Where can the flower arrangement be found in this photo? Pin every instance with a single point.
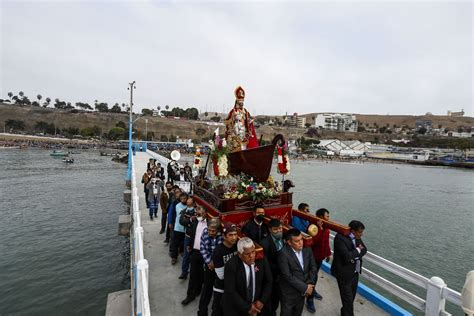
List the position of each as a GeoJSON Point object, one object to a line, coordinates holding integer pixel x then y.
{"type": "Point", "coordinates": [283, 166]}
{"type": "Point", "coordinates": [248, 188]}
{"type": "Point", "coordinates": [219, 152]}
{"type": "Point", "coordinates": [197, 158]}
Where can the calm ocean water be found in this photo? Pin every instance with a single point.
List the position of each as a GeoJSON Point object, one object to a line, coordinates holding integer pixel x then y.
{"type": "Point", "coordinates": [60, 253]}
{"type": "Point", "coordinates": [419, 217]}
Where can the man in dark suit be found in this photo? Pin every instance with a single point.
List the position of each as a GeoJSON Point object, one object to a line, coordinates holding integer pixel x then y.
{"type": "Point", "coordinates": [271, 246]}
{"type": "Point", "coordinates": [298, 274]}
{"type": "Point", "coordinates": [347, 264]}
{"type": "Point", "coordinates": [247, 282]}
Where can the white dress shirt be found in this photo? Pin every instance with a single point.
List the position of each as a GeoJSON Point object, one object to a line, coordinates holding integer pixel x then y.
{"type": "Point", "coordinates": [299, 255]}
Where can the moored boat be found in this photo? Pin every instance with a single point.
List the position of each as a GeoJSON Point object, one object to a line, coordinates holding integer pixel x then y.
{"type": "Point", "coordinates": [58, 153]}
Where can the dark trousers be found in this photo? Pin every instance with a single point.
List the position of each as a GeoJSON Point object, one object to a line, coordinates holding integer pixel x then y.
{"type": "Point", "coordinates": [270, 308]}
{"type": "Point", "coordinates": [347, 291]}
{"type": "Point", "coordinates": [164, 222]}
{"type": "Point", "coordinates": [176, 244]}
{"type": "Point", "coordinates": [216, 304]}
{"type": "Point", "coordinates": [185, 263]}
{"type": "Point", "coordinates": [152, 211]}
{"type": "Point", "coordinates": [146, 197]}
{"type": "Point", "coordinates": [196, 273]}
{"type": "Point", "coordinates": [292, 307]}
{"type": "Point", "coordinates": [168, 232]}
{"type": "Point", "coordinates": [206, 293]}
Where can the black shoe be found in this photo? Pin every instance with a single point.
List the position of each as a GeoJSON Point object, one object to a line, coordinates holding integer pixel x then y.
{"type": "Point", "coordinates": [151, 217]}
{"type": "Point", "coordinates": [187, 300]}
{"type": "Point", "coordinates": [183, 277]}
{"type": "Point", "coordinates": [166, 241]}
{"type": "Point", "coordinates": [317, 296]}
{"type": "Point", "coordinates": [156, 215]}
{"type": "Point", "coordinates": [162, 231]}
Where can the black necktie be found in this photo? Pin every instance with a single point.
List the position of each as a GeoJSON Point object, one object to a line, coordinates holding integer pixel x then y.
{"type": "Point", "coordinates": [250, 286]}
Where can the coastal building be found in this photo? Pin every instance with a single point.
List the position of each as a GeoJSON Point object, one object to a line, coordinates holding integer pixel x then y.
{"type": "Point", "coordinates": [456, 114]}
{"type": "Point", "coordinates": [336, 122]}
{"type": "Point", "coordinates": [295, 120]}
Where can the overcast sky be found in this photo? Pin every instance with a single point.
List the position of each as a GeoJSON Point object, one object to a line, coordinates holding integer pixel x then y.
{"type": "Point", "coordinates": [359, 57]}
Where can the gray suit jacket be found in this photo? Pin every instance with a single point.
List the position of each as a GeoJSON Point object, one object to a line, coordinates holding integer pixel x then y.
{"type": "Point", "coordinates": [294, 280]}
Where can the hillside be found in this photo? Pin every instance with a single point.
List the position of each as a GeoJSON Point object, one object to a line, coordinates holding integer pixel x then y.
{"type": "Point", "coordinates": [198, 130]}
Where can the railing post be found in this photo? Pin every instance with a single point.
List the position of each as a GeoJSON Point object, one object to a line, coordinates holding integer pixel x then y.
{"type": "Point", "coordinates": [143, 266]}
{"type": "Point", "coordinates": [467, 294]}
{"type": "Point", "coordinates": [434, 298]}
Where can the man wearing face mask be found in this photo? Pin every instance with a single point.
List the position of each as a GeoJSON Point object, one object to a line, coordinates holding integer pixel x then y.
{"type": "Point", "coordinates": [255, 229]}
{"type": "Point", "coordinates": [271, 246]}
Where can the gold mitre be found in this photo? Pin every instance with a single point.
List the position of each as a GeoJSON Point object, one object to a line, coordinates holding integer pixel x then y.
{"type": "Point", "coordinates": [239, 93]}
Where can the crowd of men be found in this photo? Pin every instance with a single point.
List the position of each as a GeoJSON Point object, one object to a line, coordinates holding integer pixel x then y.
{"type": "Point", "coordinates": [232, 273]}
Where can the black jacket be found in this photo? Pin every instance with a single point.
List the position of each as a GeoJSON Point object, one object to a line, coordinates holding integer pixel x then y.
{"type": "Point", "coordinates": [294, 280]}
{"type": "Point", "coordinates": [344, 257]}
{"type": "Point", "coordinates": [254, 231]}
{"type": "Point", "coordinates": [185, 220]}
{"type": "Point", "coordinates": [271, 254]}
{"type": "Point", "coordinates": [234, 300]}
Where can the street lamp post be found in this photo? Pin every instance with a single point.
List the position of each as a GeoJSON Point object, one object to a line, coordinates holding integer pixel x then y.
{"type": "Point", "coordinates": [146, 129]}
{"type": "Point", "coordinates": [130, 123]}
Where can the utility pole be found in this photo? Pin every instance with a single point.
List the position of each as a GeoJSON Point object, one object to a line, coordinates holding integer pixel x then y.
{"type": "Point", "coordinates": [146, 129]}
{"type": "Point", "coordinates": [130, 122]}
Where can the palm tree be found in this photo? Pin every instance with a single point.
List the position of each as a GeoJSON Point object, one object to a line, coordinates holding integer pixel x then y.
{"type": "Point", "coordinates": [10, 95]}
{"type": "Point", "coordinates": [21, 94]}
{"type": "Point", "coordinates": [167, 107]}
{"type": "Point", "coordinates": [39, 97]}
{"type": "Point", "coordinates": [158, 108]}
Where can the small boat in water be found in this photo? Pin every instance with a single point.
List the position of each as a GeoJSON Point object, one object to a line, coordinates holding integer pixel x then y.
{"type": "Point", "coordinates": [9, 147]}
{"type": "Point", "coordinates": [58, 153]}
{"type": "Point", "coordinates": [68, 160]}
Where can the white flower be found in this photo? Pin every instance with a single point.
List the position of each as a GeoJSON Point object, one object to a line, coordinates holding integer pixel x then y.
{"type": "Point", "coordinates": [224, 143]}
{"type": "Point", "coordinates": [222, 165]}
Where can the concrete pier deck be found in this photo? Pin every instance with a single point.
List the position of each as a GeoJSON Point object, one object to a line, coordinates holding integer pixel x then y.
{"type": "Point", "coordinates": [166, 291]}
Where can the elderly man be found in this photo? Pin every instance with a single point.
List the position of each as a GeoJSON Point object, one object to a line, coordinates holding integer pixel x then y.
{"type": "Point", "coordinates": [298, 274]}
{"type": "Point", "coordinates": [255, 228]}
{"type": "Point", "coordinates": [247, 282]}
{"type": "Point", "coordinates": [347, 264]}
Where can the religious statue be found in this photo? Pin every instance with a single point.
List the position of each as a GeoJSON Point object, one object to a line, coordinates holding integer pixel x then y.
{"type": "Point", "coordinates": [240, 133]}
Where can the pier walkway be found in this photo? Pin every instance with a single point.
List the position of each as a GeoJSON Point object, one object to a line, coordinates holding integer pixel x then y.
{"type": "Point", "coordinates": [166, 291]}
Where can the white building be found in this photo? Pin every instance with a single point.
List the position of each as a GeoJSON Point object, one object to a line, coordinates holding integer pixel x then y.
{"type": "Point", "coordinates": [295, 120]}
{"type": "Point", "coordinates": [336, 122]}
